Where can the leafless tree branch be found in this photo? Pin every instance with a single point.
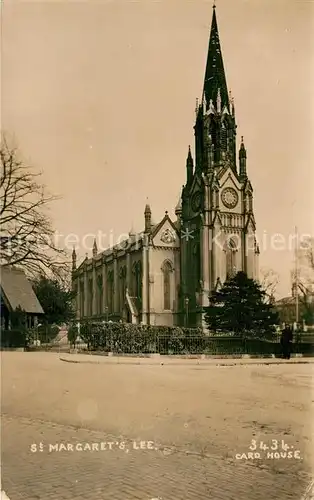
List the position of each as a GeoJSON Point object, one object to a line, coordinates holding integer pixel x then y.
{"type": "Point", "coordinates": [27, 238]}
{"type": "Point", "coordinates": [269, 281]}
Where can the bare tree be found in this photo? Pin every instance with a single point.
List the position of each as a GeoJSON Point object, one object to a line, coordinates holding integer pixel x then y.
{"type": "Point", "coordinates": [27, 238]}
{"type": "Point", "coordinates": [302, 278]}
{"type": "Point", "coordinates": [269, 281]}
{"type": "Point", "coordinates": [307, 248]}
{"type": "Point", "coordinates": [305, 264]}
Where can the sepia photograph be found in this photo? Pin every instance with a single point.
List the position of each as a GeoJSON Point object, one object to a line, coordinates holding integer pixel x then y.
{"type": "Point", "coordinates": [157, 249]}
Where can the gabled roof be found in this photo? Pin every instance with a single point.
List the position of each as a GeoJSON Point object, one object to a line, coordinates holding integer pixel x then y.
{"type": "Point", "coordinates": [161, 223]}
{"type": "Point", "coordinates": [18, 292]}
{"type": "Point", "coordinates": [225, 169]}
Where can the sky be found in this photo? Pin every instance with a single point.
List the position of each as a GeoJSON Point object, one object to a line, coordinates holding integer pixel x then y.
{"type": "Point", "coordinates": [100, 96]}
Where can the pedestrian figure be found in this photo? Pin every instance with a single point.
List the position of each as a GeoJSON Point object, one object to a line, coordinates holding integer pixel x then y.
{"type": "Point", "coordinates": [285, 341]}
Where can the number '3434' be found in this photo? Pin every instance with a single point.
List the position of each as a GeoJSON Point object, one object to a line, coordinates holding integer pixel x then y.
{"type": "Point", "coordinates": [273, 445]}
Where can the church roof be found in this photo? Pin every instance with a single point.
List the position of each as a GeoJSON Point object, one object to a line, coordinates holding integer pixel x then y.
{"type": "Point", "coordinates": [215, 78]}
{"type": "Point", "coordinates": [133, 237]}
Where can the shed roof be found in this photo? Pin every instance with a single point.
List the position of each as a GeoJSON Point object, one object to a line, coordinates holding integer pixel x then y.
{"type": "Point", "coordinates": [18, 291]}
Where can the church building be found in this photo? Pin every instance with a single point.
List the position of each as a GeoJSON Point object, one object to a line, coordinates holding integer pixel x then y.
{"type": "Point", "coordinates": [165, 274]}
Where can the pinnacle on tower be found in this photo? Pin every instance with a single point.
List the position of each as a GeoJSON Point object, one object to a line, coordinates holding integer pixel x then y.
{"type": "Point", "coordinates": [148, 218]}
{"type": "Point", "coordinates": [189, 167]}
{"type": "Point", "coordinates": [215, 77]}
{"type": "Point", "coordinates": [73, 259]}
{"type": "Point", "coordinates": [242, 159]}
{"type": "Point", "coordinates": [132, 232]}
{"type": "Point", "coordinates": [178, 209]}
{"type": "Point", "coordinates": [189, 159]}
{"type": "Point", "coordinates": [147, 208]}
{"type": "Point", "coordinates": [242, 152]}
{"type": "Point", "coordinates": [95, 249]}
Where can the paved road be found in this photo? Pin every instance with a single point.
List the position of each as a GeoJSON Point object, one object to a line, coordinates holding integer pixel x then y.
{"type": "Point", "coordinates": [108, 431]}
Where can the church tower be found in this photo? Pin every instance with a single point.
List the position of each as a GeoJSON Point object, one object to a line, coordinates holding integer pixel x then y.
{"type": "Point", "coordinates": [217, 220]}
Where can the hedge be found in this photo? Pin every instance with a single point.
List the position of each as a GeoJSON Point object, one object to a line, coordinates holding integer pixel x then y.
{"type": "Point", "coordinates": [14, 338]}
{"type": "Point", "coordinates": [131, 339]}
{"type": "Point", "coordinates": [125, 338]}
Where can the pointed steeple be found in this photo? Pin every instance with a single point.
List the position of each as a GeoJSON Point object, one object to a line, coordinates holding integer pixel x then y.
{"type": "Point", "coordinates": [215, 77]}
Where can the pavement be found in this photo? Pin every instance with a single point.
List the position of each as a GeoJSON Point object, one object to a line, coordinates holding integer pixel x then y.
{"type": "Point", "coordinates": [155, 432]}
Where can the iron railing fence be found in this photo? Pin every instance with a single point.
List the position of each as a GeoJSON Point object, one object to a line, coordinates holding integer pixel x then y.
{"type": "Point", "coordinates": [191, 345]}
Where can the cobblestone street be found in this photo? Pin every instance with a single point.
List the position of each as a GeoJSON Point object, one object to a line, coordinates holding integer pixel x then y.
{"type": "Point", "coordinates": [122, 432]}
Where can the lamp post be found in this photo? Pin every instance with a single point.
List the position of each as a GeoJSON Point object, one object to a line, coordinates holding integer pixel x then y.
{"type": "Point", "coordinates": [186, 304]}
{"type": "Point", "coordinates": [296, 281]}
{"type": "Point", "coordinates": [107, 313]}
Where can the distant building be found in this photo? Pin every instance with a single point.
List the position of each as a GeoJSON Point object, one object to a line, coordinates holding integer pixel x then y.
{"type": "Point", "coordinates": [16, 293]}
{"type": "Point", "coordinates": [286, 306]}
{"type": "Point", "coordinates": [164, 275]}
{"type": "Point", "coordinates": [286, 309]}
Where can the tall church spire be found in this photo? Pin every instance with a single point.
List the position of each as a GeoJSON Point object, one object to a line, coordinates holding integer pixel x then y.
{"type": "Point", "coordinates": [215, 77]}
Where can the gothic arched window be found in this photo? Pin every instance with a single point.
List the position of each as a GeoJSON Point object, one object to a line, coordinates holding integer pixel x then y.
{"type": "Point", "coordinates": [230, 249]}
{"type": "Point", "coordinates": [167, 270]}
{"type": "Point", "coordinates": [137, 279]}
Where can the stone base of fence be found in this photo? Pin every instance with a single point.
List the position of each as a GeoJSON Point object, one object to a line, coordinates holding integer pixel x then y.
{"type": "Point", "coordinates": [19, 349]}
{"type": "Point", "coordinates": [188, 356]}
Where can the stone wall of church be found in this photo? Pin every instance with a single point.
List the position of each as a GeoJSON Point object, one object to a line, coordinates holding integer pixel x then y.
{"type": "Point", "coordinates": [163, 289]}
{"type": "Point", "coordinates": [101, 284]}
